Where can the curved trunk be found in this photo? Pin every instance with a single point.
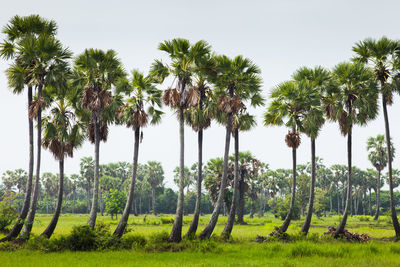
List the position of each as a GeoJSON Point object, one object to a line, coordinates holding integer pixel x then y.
{"type": "Point", "coordinates": [32, 209]}
{"type": "Point", "coordinates": [93, 210]}
{"type": "Point", "coordinates": [214, 217]}
{"type": "Point", "coordinates": [307, 221]}
{"type": "Point", "coordinates": [153, 198]}
{"type": "Point", "coordinates": [176, 232]}
{"type": "Point", "coordinates": [25, 207]}
{"type": "Point", "coordinates": [231, 218]}
{"type": "Point", "coordinates": [340, 229]}
{"type": "Point", "coordinates": [389, 152]}
{"type": "Point", "coordinates": [288, 218]}
{"type": "Point", "coordinates": [195, 222]}
{"type": "Point", "coordinates": [378, 195]}
{"type": "Point", "coordinates": [53, 223]}
{"type": "Point", "coordinates": [119, 231]}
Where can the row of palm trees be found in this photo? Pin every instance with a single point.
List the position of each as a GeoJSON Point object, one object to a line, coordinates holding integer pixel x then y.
{"type": "Point", "coordinates": [205, 87]}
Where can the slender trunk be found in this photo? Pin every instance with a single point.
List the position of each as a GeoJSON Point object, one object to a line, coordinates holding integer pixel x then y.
{"type": "Point", "coordinates": [338, 198]}
{"type": "Point", "coordinates": [378, 195]}
{"type": "Point", "coordinates": [330, 201]}
{"type": "Point", "coordinates": [231, 218]}
{"type": "Point", "coordinates": [176, 232]}
{"type": "Point", "coordinates": [88, 197]}
{"type": "Point", "coordinates": [32, 209]}
{"type": "Point", "coordinates": [93, 210]}
{"type": "Point", "coordinates": [148, 202]}
{"type": "Point", "coordinates": [370, 202]}
{"type": "Point", "coordinates": [195, 222]}
{"type": "Point", "coordinates": [340, 229]}
{"type": "Point", "coordinates": [25, 206]}
{"type": "Point", "coordinates": [53, 223]}
{"type": "Point", "coordinates": [119, 231]}
{"type": "Point", "coordinates": [153, 197]}
{"type": "Point", "coordinates": [101, 203]}
{"type": "Point", "coordinates": [73, 201]}
{"type": "Point", "coordinates": [389, 153]}
{"type": "Point", "coordinates": [214, 217]}
{"type": "Point", "coordinates": [307, 221]}
{"type": "Point", "coordinates": [355, 202]}
{"type": "Point", "coordinates": [288, 218]}
{"type": "Point", "coordinates": [344, 196]}
{"type": "Point", "coordinates": [240, 212]}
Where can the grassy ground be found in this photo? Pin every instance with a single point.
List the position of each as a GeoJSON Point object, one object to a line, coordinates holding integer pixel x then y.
{"type": "Point", "coordinates": [242, 251]}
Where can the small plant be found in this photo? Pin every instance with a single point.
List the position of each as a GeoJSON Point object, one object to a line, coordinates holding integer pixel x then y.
{"type": "Point", "coordinates": [82, 238]}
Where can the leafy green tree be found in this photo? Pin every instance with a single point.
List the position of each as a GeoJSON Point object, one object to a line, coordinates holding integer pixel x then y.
{"type": "Point", "coordinates": [377, 155]}
{"type": "Point", "coordinates": [15, 179]}
{"type": "Point", "coordinates": [115, 202]}
{"type": "Point", "coordinates": [383, 56]}
{"type": "Point", "coordinates": [353, 102]}
{"type": "Point", "coordinates": [96, 72]}
{"type": "Point", "coordinates": [185, 59]}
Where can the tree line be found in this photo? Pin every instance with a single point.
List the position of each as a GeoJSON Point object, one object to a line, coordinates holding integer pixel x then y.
{"type": "Point", "coordinates": [74, 99]}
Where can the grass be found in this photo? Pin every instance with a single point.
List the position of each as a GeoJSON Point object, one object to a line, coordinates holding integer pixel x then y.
{"type": "Point", "coordinates": [241, 251]}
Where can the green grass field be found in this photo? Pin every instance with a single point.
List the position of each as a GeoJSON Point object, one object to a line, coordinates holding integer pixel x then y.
{"type": "Point", "coordinates": [241, 251]}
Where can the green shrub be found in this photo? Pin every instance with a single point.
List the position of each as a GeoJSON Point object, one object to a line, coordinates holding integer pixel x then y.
{"type": "Point", "coordinates": [8, 211]}
{"type": "Point", "coordinates": [133, 241]}
{"type": "Point", "coordinates": [82, 238]}
{"type": "Point", "coordinates": [166, 220]}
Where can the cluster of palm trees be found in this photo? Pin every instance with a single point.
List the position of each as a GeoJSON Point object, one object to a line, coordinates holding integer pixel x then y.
{"type": "Point", "coordinates": [81, 102]}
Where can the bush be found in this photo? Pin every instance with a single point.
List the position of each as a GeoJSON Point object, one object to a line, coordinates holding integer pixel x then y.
{"type": "Point", "coordinates": [8, 212]}
{"type": "Point", "coordinates": [82, 238]}
{"type": "Point", "coordinates": [280, 207]}
{"type": "Point", "coordinates": [166, 220]}
{"type": "Point", "coordinates": [133, 241]}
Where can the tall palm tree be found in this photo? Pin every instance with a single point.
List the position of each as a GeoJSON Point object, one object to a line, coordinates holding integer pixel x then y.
{"type": "Point", "coordinates": [17, 29]}
{"type": "Point", "coordinates": [353, 102]}
{"type": "Point", "coordinates": [96, 72]}
{"type": "Point", "coordinates": [185, 59]}
{"type": "Point", "coordinates": [46, 61]}
{"type": "Point", "coordinates": [143, 101]}
{"type": "Point", "coordinates": [87, 173]}
{"type": "Point", "coordinates": [319, 80]}
{"type": "Point", "coordinates": [377, 155]}
{"type": "Point", "coordinates": [288, 108]}
{"type": "Point", "coordinates": [237, 80]}
{"type": "Point", "coordinates": [154, 175]}
{"type": "Point", "coordinates": [62, 134]}
{"type": "Point", "coordinates": [383, 56]}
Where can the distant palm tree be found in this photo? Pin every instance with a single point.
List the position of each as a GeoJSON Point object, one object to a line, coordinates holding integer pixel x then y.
{"type": "Point", "coordinates": [352, 102]}
{"type": "Point", "coordinates": [62, 134]}
{"type": "Point", "coordinates": [142, 102]}
{"type": "Point", "coordinates": [320, 80]}
{"type": "Point", "coordinates": [17, 29]}
{"type": "Point", "coordinates": [185, 59]}
{"type": "Point", "coordinates": [377, 155]}
{"type": "Point", "coordinates": [96, 72]}
{"type": "Point", "coordinates": [154, 175]}
{"type": "Point", "coordinates": [383, 56]}
{"type": "Point", "coordinates": [288, 106]}
{"type": "Point", "coordinates": [237, 80]}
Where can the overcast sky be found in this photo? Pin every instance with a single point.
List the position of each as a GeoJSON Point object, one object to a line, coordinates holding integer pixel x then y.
{"type": "Point", "coordinates": [279, 36]}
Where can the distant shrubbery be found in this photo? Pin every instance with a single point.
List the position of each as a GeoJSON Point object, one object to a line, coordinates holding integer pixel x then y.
{"type": "Point", "coordinates": [8, 211]}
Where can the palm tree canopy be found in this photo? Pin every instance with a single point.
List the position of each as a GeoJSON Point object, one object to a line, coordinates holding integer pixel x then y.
{"type": "Point", "coordinates": [356, 89]}
{"type": "Point", "coordinates": [377, 151]}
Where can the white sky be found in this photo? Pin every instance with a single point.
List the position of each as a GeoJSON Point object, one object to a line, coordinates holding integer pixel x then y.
{"type": "Point", "coordinates": [279, 36]}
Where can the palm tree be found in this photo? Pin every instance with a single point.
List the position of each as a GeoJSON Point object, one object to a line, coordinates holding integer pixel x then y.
{"type": "Point", "coordinates": [143, 100]}
{"type": "Point", "coordinates": [96, 72]}
{"type": "Point", "coordinates": [288, 108]}
{"type": "Point", "coordinates": [18, 29]}
{"type": "Point", "coordinates": [62, 134]}
{"type": "Point", "coordinates": [383, 57]}
{"type": "Point", "coordinates": [46, 62]}
{"type": "Point", "coordinates": [185, 59]}
{"type": "Point", "coordinates": [377, 155]}
{"type": "Point", "coordinates": [154, 175]}
{"type": "Point", "coordinates": [319, 79]}
{"type": "Point", "coordinates": [241, 122]}
{"type": "Point", "coordinates": [87, 173]}
{"type": "Point", "coordinates": [352, 102]}
{"type": "Point", "coordinates": [237, 80]}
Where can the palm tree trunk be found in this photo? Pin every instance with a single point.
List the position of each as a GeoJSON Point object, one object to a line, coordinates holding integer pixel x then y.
{"type": "Point", "coordinates": [307, 221]}
{"type": "Point", "coordinates": [93, 210]}
{"type": "Point", "coordinates": [378, 195]}
{"type": "Point", "coordinates": [340, 229]}
{"type": "Point", "coordinates": [101, 203]}
{"type": "Point", "coordinates": [195, 222]}
{"type": "Point", "coordinates": [214, 217]}
{"type": "Point", "coordinates": [25, 207]}
{"type": "Point", "coordinates": [176, 232]}
{"type": "Point", "coordinates": [389, 152]}
{"type": "Point", "coordinates": [153, 198]}
{"type": "Point", "coordinates": [32, 209]}
{"type": "Point", "coordinates": [53, 223]}
{"type": "Point", "coordinates": [240, 212]}
{"type": "Point", "coordinates": [88, 196]}
{"type": "Point", "coordinates": [231, 218]}
{"type": "Point", "coordinates": [370, 202]}
{"type": "Point", "coordinates": [338, 200]}
{"type": "Point", "coordinates": [288, 218]}
{"type": "Point", "coordinates": [119, 231]}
